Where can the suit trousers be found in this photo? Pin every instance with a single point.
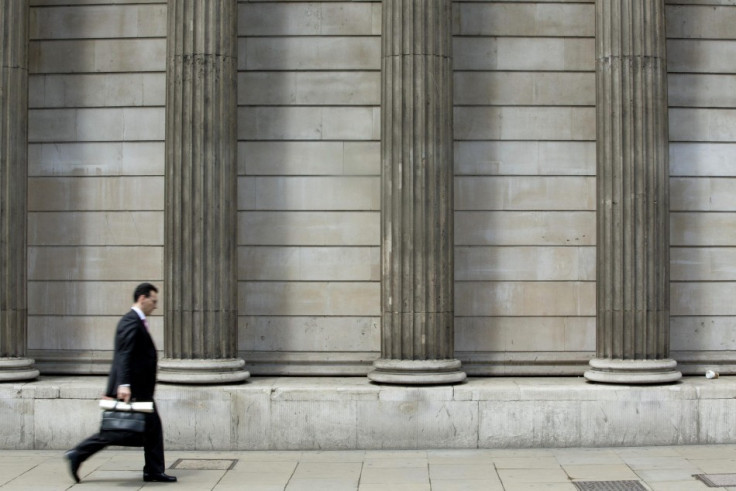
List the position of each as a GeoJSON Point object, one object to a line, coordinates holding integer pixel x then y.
{"type": "Point", "coordinates": [152, 441]}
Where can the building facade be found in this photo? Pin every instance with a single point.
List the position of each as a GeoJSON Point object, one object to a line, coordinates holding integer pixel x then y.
{"type": "Point", "coordinates": [303, 129]}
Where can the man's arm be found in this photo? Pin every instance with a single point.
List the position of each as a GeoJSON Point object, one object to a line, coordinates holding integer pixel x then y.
{"type": "Point", "coordinates": [125, 341]}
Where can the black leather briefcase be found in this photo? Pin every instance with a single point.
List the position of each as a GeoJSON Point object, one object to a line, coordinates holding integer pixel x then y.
{"type": "Point", "coordinates": [123, 421]}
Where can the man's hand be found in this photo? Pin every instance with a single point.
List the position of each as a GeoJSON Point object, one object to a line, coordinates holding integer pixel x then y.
{"type": "Point", "coordinates": [124, 393]}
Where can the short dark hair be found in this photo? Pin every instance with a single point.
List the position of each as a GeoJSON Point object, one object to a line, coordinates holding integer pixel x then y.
{"type": "Point", "coordinates": [144, 289]}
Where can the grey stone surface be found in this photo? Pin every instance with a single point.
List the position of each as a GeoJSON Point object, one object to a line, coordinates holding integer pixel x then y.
{"type": "Point", "coordinates": [310, 298]}
{"type": "Point", "coordinates": [96, 228]}
{"type": "Point", "coordinates": [280, 413]}
{"type": "Point", "coordinates": [309, 263]}
{"type": "Point", "coordinates": [13, 181]}
{"type": "Point", "coordinates": [524, 193]}
{"type": "Point", "coordinates": [417, 232]}
{"type": "Point", "coordinates": [97, 55]}
{"type": "Point", "coordinates": [98, 21]}
{"type": "Point", "coordinates": [525, 228]}
{"type": "Point", "coordinates": [662, 468]}
{"type": "Point", "coordinates": [309, 228]}
{"type": "Point", "coordinates": [308, 90]}
{"type": "Point", "coordinates": [200, 260]}
{"type": "Point", "coordinates": [633, 244]}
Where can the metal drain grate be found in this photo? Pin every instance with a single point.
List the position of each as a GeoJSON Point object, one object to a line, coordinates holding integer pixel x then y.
{"type": "Point", "coordinates": [717, 480]}
{"type": "Point", "coordinates": [609, 486]}
{"type": "Point", "coordinates": [205, 464]}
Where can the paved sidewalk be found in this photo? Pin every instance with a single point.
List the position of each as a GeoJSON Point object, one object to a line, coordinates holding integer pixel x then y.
{"type": "Point", "coordinates": [656, 468]}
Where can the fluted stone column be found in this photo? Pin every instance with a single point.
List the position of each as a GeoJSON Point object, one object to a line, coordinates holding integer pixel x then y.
{"type": "Point", "coordinates": [417, 345]}
{"type": "Point", "coordinates": [633, 321]}
{"type": "Point", "coordinates": [13, 181]}
{"type": "Point", "coordinates": [201, 300]}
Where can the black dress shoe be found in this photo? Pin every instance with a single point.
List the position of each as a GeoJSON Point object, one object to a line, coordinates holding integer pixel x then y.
{"type": "Point", "coordinates": [74, 462]}
{"type": "Point", "coordinates": [158, 477]}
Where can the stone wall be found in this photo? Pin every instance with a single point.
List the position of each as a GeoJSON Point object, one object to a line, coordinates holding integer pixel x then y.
{"type": "Point", "coordinates": [309, 193]}
{"type": "Point", "coordinates": [702, 168]}
{"type": "Point", "coordinates": [340, 413]}
{"type": "Point", "coordinates": [97, 89]}
{"type": "Point", "coordinates": [525, 185]}
{"type": "Point", "coordinates": [309, 185]}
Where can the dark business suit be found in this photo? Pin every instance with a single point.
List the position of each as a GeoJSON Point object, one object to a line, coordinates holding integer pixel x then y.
{"type": "Point", "coordinates": [134, 364]}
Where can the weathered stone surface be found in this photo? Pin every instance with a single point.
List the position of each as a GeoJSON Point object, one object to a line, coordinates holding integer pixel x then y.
{"type": "Point", "coordinates": [702, 90]}
{"type": "Point", "coordinates": [97, 90]}
{"type": "Point", "coordinates": [91, 297]}
{"type": "Point", "coordinates": [523, 53]}
{"type": "Point", "coordinates": [96, 159]}
{"type": "Point", "coordinates": [99, 21]}
{"type": "Point", "coordinates": [13, 181]}
{"type": "Point", "coordinates": [96, 193]}
{"type": "Point", "coordinates": [702, 124]}
{"type": "Point", "coordinates": [87, 124]}
{"type": "Point", "coordinates": [702, 194]}
{"type": "Point", "coordinates": [525, 298]}
{"type": "Point", "coordinates": [96, 228]}
{"type": "Point", "coordinates": [526, 19]}
{"type": "Point", "coordinates": [707, 21]}
{"type": "Point", "coordinates": [524, 123]}
{"type": "Point", "coordinates": [309, 228]}
{"type": "Point", "coordinates": [310, 263]}
{"type": "Point", "coordinates": [310, 53]}
{"type": "Point", "coordinates": [289, 413]}
{"type": "Point", "coordinates": [524, 88]}
{"type": "Point", "coordinates": [94, 263]}
{"type": "Point", "coordinates": [308, 19]}
{"type": "Point", "coordinates": [17, 430]}
{"type": "Point", "coordinates": [525, 263]}
{"type": "Point", "coordinates": [277, 334]}
{"type": "Point", "coordinates": [524, 193]}
{"type": "Point", "coordinates": [525, 334]}
{"type": "Point", "coordinates": [701, 56]}
{"type": "Point", "coordinates": [311, 193]}
{"type": "Point", "coordinates": [417, 286]}
{"type": "Point", "coordinates": [703, 229]}
{"type": "Point", "coordinates": [525, 228]}
{"type": "Point", "coordinates": [200, 323]}
{"type": "Point", "coordinates": [82, 333]}
{"type": "Point", "coordinates": [310, 88]}
{"type": "Point", "coordinates": [309, 158]}
{"type": "Point", "coordinates": [633, 244]}
{"type": "Point", "coordinates": [308, 123]}
{"type": "Point", "coordinates": [702, 333]}
{"type": "Point", "coordinates": [309, 298]}
{"type": "Point", "coordinates": [97, 56]}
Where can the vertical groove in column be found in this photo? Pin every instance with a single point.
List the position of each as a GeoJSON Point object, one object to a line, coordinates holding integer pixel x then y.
{"type": "Point", "coordinates": [200, 325]}
{"type": "Point", "coordinates": [632, 343]}
{"type": "Point", "coordinates": [417, 195]}
{"type": "Point", "coordinates": [14, 365]}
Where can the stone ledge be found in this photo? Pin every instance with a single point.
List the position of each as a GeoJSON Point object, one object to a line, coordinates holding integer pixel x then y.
{"type": "Point", "coordinates": [343, 413]}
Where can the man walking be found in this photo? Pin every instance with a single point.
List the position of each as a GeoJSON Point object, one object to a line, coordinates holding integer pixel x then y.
{"type": "Point", "coordinates": [132, 377]}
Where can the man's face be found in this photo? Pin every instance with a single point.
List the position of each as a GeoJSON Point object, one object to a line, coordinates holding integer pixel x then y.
{"type": "Point", "coordinates": [148, 304]}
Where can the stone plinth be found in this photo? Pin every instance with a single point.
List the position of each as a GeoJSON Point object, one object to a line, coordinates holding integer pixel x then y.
{"type": "Point", "coordinates": [350, 413]}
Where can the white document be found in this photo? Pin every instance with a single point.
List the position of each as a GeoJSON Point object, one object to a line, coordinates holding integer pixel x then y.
{"type": "Point", "coordinates": [139, 407]}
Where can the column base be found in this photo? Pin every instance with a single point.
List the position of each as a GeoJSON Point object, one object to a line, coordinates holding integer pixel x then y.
{"type": "Point", "coordinates": [12, 369]}
{"type": "Point", "coordinates": [416, 372]}
{"type": "Point", "coordinates": [202, 371]}
{"type": "Point", "coordinates": [610, 371]}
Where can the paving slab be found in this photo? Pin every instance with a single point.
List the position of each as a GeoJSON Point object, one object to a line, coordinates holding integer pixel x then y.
{"type": "Point", "coordinates": [667, 468]}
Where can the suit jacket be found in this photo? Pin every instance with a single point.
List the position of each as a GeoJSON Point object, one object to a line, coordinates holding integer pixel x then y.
{"type": "Point", "coordinates": [135, 359]}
